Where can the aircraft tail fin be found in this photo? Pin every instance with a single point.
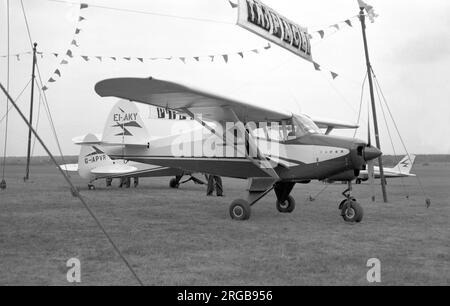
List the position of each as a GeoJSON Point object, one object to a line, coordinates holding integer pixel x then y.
{"type": "Point", "coordinates": [406, 164]}
{"type": "Point", "coordinates": [91, 157]}
{"type": "Point", "coordinates": [124, 126]}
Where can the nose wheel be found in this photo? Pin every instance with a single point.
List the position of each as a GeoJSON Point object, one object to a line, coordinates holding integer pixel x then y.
{"type": "Point", "coordinates": [351, 210]}
{"type": "Point", "coordinates": [286, 206]}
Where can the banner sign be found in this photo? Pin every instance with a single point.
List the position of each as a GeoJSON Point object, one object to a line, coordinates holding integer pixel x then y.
{"type": "Point", "coordinates": [163, 113]}
{"type": "Point", "coordinates": [265, 22]}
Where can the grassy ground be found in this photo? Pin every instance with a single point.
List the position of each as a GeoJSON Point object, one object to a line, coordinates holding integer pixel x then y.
{"type": "Point", "coordinates": [182, 237]}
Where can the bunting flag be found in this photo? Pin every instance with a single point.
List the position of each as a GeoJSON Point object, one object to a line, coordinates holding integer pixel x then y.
{"type": "Point", "coordinates": [69, 53]}
{"type": "Point", "coordinates": [233, 5]}
{"type": "Point", "coordinates": [318, 67]}
{"type": "Point", "coordinates": [334, 28]}
{"type": "Point", "coordinates": [369, 9]}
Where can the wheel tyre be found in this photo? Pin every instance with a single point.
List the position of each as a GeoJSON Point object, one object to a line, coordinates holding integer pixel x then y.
{"type": "Point", "coordinates": [91, 187]}
{"type": "Point", "coordinates": [173, 184]}
{"type": "Point", "coordinates": [287, 206]}
{"type": "Point", "coordinates": [352, 212]}
{"type": "Point", "coordinates": [240, 210]}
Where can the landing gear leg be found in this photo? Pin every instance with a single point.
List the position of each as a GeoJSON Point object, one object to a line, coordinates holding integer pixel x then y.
{"type": "Point", "coordinates": [351, 210]}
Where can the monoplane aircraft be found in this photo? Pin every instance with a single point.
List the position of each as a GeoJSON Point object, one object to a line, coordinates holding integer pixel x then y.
{"type": "Point", "coordinates": [242, 144]}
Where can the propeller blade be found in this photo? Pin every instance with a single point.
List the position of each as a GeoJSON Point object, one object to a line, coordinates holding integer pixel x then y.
{"type": "Point", "coordinates": [370, 164]}
{"type": "Point", "coordinates": [371, 172]}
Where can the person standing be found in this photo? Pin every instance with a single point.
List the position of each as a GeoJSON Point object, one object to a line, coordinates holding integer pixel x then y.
{"type": "Point", "coordinates": [214, 182]}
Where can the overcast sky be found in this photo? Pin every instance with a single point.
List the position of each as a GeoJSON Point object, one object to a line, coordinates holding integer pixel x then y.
{"type": "Point", "coordinates": [409, 48]}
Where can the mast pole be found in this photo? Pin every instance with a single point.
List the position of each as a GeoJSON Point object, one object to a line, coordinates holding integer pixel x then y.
{"type": "Point", "coordinates": [362, 18]}
{"type": "Point", "coordinates": [27, 171]}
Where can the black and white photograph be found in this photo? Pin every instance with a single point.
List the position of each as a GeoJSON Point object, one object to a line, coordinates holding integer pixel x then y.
{"type": "Point", "coordinates": [224, 150]}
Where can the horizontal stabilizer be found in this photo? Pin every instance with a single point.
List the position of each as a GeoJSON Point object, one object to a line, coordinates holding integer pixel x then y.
{"type": "Point", "coordinates": [113, 170]}
{"type": "Point", "coordinates": [69, 167]}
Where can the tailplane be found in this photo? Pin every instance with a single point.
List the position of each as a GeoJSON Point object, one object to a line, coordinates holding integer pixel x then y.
{"type": "Point", "coordinates": [406, 164]}
{"type": "Point", "coordinates": [124, 126]}
{"type": "Point", "coordinates": [91, 157]}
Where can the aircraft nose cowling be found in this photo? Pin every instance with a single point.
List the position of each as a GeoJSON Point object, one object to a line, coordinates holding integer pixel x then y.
{"type": "Point", "coordinates": [371, 153]}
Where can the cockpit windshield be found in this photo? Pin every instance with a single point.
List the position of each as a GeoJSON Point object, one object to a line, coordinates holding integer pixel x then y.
{"type": "Point", "coordinates": [304, 125]}
{"type": "Point", "coordinates": [292, 128]}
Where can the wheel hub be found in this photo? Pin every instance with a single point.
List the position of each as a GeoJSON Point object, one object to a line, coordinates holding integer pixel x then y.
{"type": "Point", "coordinates": [350, 213]}
{"type": "Point", "coordinates": [238, 211]}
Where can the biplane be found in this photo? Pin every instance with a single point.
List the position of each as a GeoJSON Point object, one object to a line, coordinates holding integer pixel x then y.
{"type": "Point", "coordinates": [95, 164]}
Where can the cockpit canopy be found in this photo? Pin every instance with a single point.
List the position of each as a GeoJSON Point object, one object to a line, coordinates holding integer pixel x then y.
{"type": "Point", "coordinates": [292, 128]}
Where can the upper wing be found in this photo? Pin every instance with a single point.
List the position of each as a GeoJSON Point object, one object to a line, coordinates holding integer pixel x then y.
{"type": "Point", "coordinates": [333, 124]}
{"type": "Point", "coordinates": [181, 98]}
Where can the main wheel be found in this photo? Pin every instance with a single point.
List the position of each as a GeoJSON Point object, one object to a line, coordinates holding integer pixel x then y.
{"type": "Point", "coordinates": [351, 211]}
{"type": "Point", "coordinates": [173, 183]}
{"type": "Point", "coordinates": [240, 210]}
{"type": "Point", "coordinates": [287, 206]}
{"type": "Point", "coordinates": [91, 187]}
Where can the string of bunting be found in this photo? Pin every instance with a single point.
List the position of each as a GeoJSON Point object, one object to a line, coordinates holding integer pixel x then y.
{"type": "Point", "coordinates": [69, 53]}
{"type": "Point", "coordinates": [183, 59]}
{"type": "Point", "coordinates": [332, 28]}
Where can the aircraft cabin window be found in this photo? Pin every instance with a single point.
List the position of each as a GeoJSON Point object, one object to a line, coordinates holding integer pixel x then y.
{"type": "Point", "coordinates": [303, 126]}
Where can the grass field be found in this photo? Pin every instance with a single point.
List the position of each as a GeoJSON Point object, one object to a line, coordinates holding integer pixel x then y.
{"type": "Point", "coordinates": [182, 237]}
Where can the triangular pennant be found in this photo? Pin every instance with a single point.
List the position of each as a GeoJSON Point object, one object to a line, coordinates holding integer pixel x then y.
{"type": "Point", "coordinates": [113, 58]}
{"type": "Point", "coordinates": [334, 75]}
{"type": "Point", "coordinates": [241, 54]}
{"type": "Point", "coordinates": [183, 59]}
{"type": "Point", "coordinates": [225, 57]}
{"type": "Point", "coordinates": [51, 80]}
{"type": "Point", "coordinates": [44, 88]}
{"type": "Point", "coordinates": [127, 58]}
{"type": "Point", "coordinates": [255, 51]}
{"type": "Point", "coordinates": [349, 22]}
{"type": "Point", "coordinates": [233, 5]}
{"type": "Point", "coordinates": [77, 31]}
{"type": "Point", "coordinates": [197, 58]}
{"type": "Point", "coordinates": [140, 59]}
{"type": "Point", "coordinates": [55, 54]}
{"type": "Point", "coordinates": [74, 43]}
{"type": "Point", "coordinates": [83, 6]}
{"type": "Point", "coordinates": [18, 57]}
{"type": "Point", "coordinates": [69, 53]}
{"type": "Point", "coordinates": [212, 58]}
{"type": "Point", "coordinates": [321, 33]}
{"type": "Point", "coordinates": [316, 66]}
{"type": "Point", "coordinates": [81, 18]}
{"type": "Point", "coordinates": [268, 46]}
{"type": "Point", "coordinates": [99, 58]}
{"type": "Point", "coordinates": [336, 26]}
{"type": "Point", "coordinates": [86, 58]}
{"type": "Point", "coordinates": [168, 58]}
{"type": "Point", "coordinates": [57, 72]}
{"type": "Point", "coordinates": [64, 62]}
